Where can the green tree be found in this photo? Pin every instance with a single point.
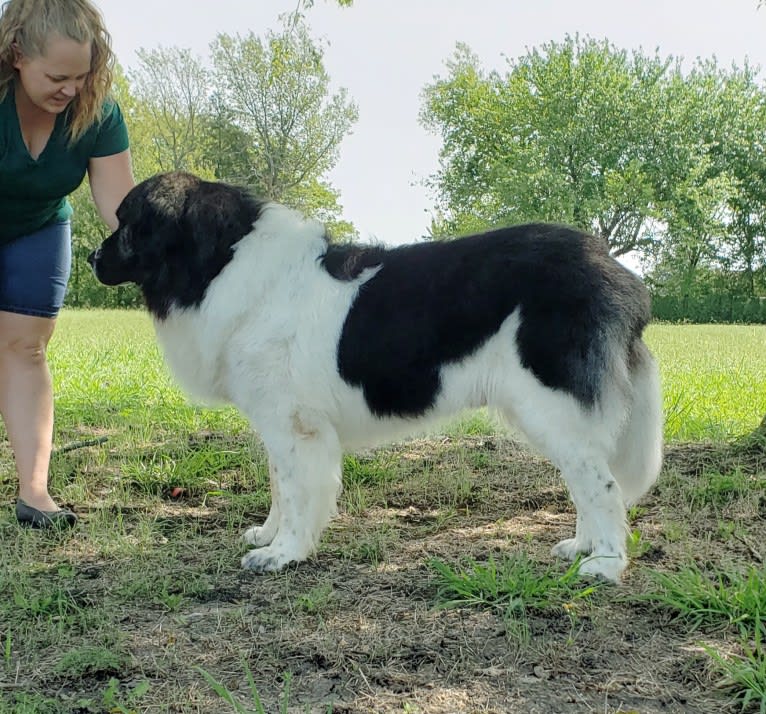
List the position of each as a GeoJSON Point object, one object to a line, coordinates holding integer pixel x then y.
{"type": "Point", "coordinates": [276, 91]}
{"type": "Point", "coordinates": [562, 136]}
{"type": "Point", "coordinates": [171, 89]}
{"type": "Point", "coordinates": [709, 182]}
{"type": "Point", "coordinates": [741, 151]}
{"type": "Point", "coordinates": [227, 150]}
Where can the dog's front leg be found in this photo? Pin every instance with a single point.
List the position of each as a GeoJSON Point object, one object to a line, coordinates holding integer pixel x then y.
{"type": "Point", "coordinates": [260, 536]}
{"type": "Point", "coordinates": [305, 467]}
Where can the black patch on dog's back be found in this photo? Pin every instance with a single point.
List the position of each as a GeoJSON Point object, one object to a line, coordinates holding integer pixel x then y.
{"type": "Point", "coordinates": [436, 303]}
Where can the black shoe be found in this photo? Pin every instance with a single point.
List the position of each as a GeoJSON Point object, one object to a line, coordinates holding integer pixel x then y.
{"type": "Point", "coordinates": [30, 517]}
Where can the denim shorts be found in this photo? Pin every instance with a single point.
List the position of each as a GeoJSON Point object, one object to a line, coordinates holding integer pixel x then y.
{"type": "Point", "coordinates": [34, 271]}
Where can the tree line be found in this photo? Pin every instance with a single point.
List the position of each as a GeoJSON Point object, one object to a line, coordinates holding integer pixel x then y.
{"type": "Point", "coordinates": [665, 163]}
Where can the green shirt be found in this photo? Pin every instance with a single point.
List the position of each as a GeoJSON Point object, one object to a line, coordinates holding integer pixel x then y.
{"type": "Point", "coordinates": [33, 192]}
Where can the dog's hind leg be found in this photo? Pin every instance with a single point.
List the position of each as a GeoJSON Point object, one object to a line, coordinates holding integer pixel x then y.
{"type": "Point", "coordinates": [575, 439]}
{"type": "Point", "coordinates": [621, 443]}
{"type": "Point", "coordinates": [306, 466]}
{"type": "Point", "coordinates": [638, 455]}
{"type": "Point", "coordinates": [601, 523]}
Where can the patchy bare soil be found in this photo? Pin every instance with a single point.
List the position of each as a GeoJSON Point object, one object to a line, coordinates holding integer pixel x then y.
{"type": "Point", "coordinates": [358, 627]}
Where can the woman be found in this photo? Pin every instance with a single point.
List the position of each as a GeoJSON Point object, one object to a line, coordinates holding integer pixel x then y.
{"type": "Point", "coordinates": [57, 123]}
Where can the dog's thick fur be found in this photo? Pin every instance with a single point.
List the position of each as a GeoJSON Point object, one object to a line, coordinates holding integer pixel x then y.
{"type": "Point", "coordinates": [330, 347]}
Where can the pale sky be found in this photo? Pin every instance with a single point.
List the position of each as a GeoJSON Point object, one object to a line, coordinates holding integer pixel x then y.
{"type": "Point", "coordinates": [385, 51]}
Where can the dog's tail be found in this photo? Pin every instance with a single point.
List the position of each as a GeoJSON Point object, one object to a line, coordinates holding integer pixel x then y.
{"type": "Point", "coordinates": [638, 455]}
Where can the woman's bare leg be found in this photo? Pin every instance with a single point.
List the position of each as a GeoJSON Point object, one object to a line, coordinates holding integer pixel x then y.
{"type": "Point", "coordinates": [26, 402]}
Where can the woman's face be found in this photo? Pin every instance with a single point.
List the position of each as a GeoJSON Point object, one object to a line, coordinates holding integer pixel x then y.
{"type": "Point", "coordinates": [52, 80]}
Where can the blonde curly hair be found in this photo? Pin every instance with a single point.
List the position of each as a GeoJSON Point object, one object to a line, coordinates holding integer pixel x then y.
{"type": "Point", "coordinates": [27, 24]}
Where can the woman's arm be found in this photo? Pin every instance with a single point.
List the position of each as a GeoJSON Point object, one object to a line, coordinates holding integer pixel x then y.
{"type": "Point", "coordinates": [111, 177]}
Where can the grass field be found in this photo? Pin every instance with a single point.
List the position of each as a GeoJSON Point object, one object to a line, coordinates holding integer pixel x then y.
{"type": "Point", "coordinates": [433, 591]}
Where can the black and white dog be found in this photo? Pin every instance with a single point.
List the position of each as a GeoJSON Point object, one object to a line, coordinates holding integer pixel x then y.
{"type": "Point", "coordinates": [329, 347]}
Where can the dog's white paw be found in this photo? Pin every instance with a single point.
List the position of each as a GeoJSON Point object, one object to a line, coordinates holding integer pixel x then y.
{"type": "Point", "coordinates": [259, 536]}
{"type": "Point", "coordinates": [267, 559]}
{"type": "Point", "coordinates": [569, 549]}
{"type": "Point", "coordinates": [607, 566]}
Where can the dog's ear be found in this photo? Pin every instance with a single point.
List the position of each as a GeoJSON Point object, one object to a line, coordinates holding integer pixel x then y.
{"type": "Point", "coordinates": [149, 218]}
{"type": "Point", "coordinates": [216, 216]}
{"type": "Point", "coordinates": [168, 194]}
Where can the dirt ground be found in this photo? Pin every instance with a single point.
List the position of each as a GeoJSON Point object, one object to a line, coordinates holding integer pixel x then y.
{"type": "Point", "coordinates": [358, 626]}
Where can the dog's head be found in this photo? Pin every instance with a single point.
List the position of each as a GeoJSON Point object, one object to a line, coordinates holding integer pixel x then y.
{"type": "Point", "coordinates": [175, 234]}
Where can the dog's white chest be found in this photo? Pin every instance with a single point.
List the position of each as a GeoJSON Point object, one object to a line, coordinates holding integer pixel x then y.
{"type": "Point", "coordinates": [194, 356]}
